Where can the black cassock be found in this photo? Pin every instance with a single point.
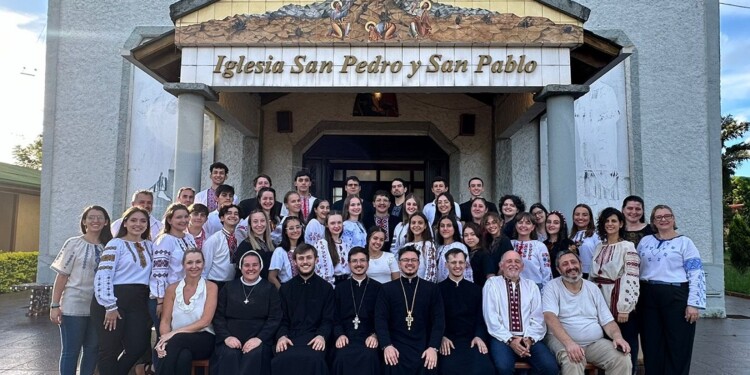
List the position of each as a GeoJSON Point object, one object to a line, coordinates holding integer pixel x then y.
{"type": "Point", "coordinates": [427, 325]}
{"type": "Point", "coordinates": [355, 358]}
{"type": "Point", "coordinates": [307, 307]}
{"type": "Point", "coordinates": [260, 318]}
{"type": "Point", "coordinates": [463, 322]}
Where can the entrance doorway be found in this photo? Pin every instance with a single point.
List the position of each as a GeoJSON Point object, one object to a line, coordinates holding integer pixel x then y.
{"type": "Point", "coordinates": [376, 160]}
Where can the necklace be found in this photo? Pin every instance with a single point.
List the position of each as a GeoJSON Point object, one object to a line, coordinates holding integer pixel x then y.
{"type": "Point", "coordinates": [247, 295]}
{"type": "Point", "coordinates": [356, 320]}
{"type": "Point", "coordinates": [409, 319]}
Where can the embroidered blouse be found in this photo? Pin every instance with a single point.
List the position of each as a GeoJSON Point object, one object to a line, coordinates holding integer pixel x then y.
{"type": "Point", "coordinates": [168, 253]}
{"type": "Point", "coordinates": [536, 262]}
{"type": "Point", "coordinates": [428, 262]}
{"type": "Point", "coordinates": [78, 260]}
{"type": "Point", "coordinates": [314, 232]}
{"type": "Point", "coordinates": [586, 247]}
{"type": "Point", "coordinates": [675, 260]}
{"type": "Point", "coordinates": [615, 271]}
{"type": "Point", "coordinates": [122, 262]}
{"type": "Point", "coordinates": [325, 268]}
{"type": "Point", "coordinates": [280, 261]}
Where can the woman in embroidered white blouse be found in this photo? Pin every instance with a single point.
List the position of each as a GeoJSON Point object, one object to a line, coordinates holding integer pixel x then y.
{"type": "Point", "coordinates": [186, 331]}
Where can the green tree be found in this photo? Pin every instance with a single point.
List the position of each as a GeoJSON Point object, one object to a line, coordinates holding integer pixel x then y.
{"type": "Point", "coordinates": [732, 156]}
{"type": "Point", "coordinates": [738, 241]}
{"type": "Point", "coordinates": [29, 156]}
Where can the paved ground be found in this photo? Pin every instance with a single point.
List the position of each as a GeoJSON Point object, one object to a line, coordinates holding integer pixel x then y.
{"type": "Point", "coordinates": [32, 345]}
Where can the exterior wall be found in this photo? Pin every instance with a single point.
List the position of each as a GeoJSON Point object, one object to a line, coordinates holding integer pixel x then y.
{"type": "Point", "coordinates": [475, 157]}
{"type": "Point", "coordinates": [19, 226]}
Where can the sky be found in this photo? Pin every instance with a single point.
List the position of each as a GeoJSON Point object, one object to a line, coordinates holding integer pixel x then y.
{"type": "Point", "coordinates": [22, 51]}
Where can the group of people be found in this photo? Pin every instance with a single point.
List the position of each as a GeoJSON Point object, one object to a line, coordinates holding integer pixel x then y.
{"type": "Point", "coordinates": [388, 286]}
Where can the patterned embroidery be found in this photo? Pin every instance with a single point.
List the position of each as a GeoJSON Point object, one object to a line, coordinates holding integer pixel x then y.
{"type": "Point", "coordinates": [514, 305]}
{"type": "Point", "coordinates": [107, 258]}
{"type": "Point", "coordinates": [141, 257]}
{"type": "Point", "coordinates": [693, 264]}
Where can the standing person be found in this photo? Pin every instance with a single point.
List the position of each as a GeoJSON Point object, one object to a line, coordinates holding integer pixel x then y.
{"type": "Point", "coordinates": [293, 205]}
{"type": "Point", "coordinates": [420, 238]}
{"type": "Point", "coordinates": [410, 319]}
{"type": "Point", "coordinates": [557, 237]}
{"type": "Point", "coordinates": [535, 256]}
{"type": "Point", "coordinates": [495, 241]}
{"type": "Point", "coordinates": [445, 206]}
{"type": "Point", "coordinates": [219, 250]}
{"type": "Point", "coordinates": [354, 188]}
{"type": "Point", "coordinates": [332, 251]}
{"type": "Point", "coordinates": [381, 217]}
{"type": "Point", "coordinates": [224, 194]}
{"type": "Point", "coordinates": [382, 266]}
{"type": "Point", "coordinates": [302, 185]}
{"type": "Point", "coordinates": [577, 318]}
{"type": "Point", "coordinates": [476, 190]}
{"type": "Point", "coordinates": [219, 172]}
{"type": "Point", "coordinates": [399, 189]}
{"type": "Point", "coordinates": [121, 291]}
{"type": "Point", "coordinates": [267, 204]}
{"type": "Point", "coordinates": [258, 239]}
{"type": "Point", "coordinates": [478, 255]}
{"type": "Point", "coordinates": [463, 349]}
{"type": "Point", "coordinates": [247, 316]}
{"type": "Point", "coordinates": [260, 182]}
{"type": "Point", "coordinates": [449, 238]}
{"type": "Point", "coordinates": [615, 271]}
{"type": "Point", "coordinates": [673, 290]}
{"type": "Point", "coordinates": [198, 217]}
{"type": "Point", "coordinates": [145, 200]}
{"type": "Point", "coordinates": [584, 237]}
{"type": "Point", "coordinates": [185, 327]}
{"type": "Point", "coordinates": [635, 219]}
{"type": "Point", "coordinates": [512, 308]}
{"type": "Point", "coordinates": [73, 290]}
{"type": "Point", "coordinates": [439, 186]}
{"type": "Point", "coordinates": [307, 319]}
{"type": "Point", "coordinates": [539, 213]}
{"type": "Point", "coordinates": [510, 206]}
{"type": "Point", "coordinates": [354, 231]}
{"type": "Point", "coordinates": [282, 267]}
{"type": "Point", "coordinates": [315, 229]}
{"type": "Point", "coordinates": [411, 205]}
{"type": "Point", "coordinates": [477, 210]}
{"type": "Point", "coordinates": [354, 320]}
{"type": "Point", "coordinates": [186, 196]}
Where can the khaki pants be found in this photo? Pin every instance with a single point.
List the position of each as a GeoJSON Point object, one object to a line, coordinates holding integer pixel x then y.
{"type": "Point", "coordinates": [601, 353]}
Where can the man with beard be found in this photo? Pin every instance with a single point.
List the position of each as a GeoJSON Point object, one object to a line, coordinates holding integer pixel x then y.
{"type": "Point", "coordinates": [513, 312]}
{"type": "Point", "coordinates": [307, 307]}
{"type": "Point", "coordinates": [476, 188]}
{"type": "Point", "coordinates": [354, 320]}
{"type": "Point", "coordinates": [410, 320]}
{"type": "Point", "coordinates": [381, 218]}
{"type": "Point", "coordinates": [577, 318]}
{"type": "Point", "coordinates": [398, 191]}
{"type": "Point", "coordinates": [463, 349]}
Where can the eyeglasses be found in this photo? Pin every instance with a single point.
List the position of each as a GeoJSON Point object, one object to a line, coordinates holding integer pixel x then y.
{"type": "Point", "coordinates": [666, 217]}
{"type": "Point", "coordinates": [409, 260]}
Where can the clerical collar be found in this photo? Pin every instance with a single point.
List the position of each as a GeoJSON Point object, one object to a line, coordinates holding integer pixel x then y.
{"type": "Point", "coordinates": [359, 282]}
{"type": "Point", "coordinates": [409, 279]}
{"type": "Point", "coordinates": [455, 281]}
{"type": "Point", "coordinates": [308, 279]}
{"type": "Point", "coordinates": [251, 284]}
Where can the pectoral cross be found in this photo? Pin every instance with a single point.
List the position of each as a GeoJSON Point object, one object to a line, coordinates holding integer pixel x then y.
{"type": "Point", "coordinates": [409, 320]}
{"type": "Point", "coordinates": [356, 321]}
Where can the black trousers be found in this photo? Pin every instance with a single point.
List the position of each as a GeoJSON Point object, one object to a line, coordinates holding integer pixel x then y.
{"type": "Point", "coordinates": [182, 349]}
{"type": "Point", "coordinates": [666, 338]}
{"type": "Point", "coordinates": [121, 348]}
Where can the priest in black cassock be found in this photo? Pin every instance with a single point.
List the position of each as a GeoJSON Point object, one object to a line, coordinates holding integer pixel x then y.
{"type": "Point", "coordinates": [307, 308]}
{"type": "Point", "coordinates": [463, 350]}
{"type": "Point", "coordinates": [409, 320]}
{"type": "Point", "coordinates": [354, 300]}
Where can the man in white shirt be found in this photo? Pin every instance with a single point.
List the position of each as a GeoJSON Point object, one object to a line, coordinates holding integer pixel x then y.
{"type": "Point", "coordinates": [302, 184]}
{"type": "Point", "coordinates": [219, 172]}
{"type": "Point", "coordinates": [439, 186]}
{"type": "Point", "coordinates": [145, 200]}
{"type": "Point", "coordinates": [512, 309]}
{"type": "Point", "coordinates": [224, 194]}
{"type": "Point", "coordinates": [577, 318]}
{"type": "Point", "coordinates": [186, 196]}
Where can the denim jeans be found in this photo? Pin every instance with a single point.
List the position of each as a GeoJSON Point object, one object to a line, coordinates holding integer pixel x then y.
{"type": "Point", "coordinates": [77, 332]}
{"type": "Point", "coordinates": [542, 360]}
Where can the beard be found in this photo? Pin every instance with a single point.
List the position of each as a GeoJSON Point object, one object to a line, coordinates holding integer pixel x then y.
{"type": "Point", "coordinates": [575, 279]}
{"type": "Point", "coordinates": [307, 274]}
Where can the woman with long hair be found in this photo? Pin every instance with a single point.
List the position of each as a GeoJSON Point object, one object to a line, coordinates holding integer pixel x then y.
{"type": "Point", "coordinates": [478, 208]}
{"type": "Point", "coordinates": [354, 231]}
{"type": "Point", "coordinates": [615, 271]}
{"type": "Point", "coordinates": [420, 237]}
{"type": "Point", "coordinates": [383, 266]}
{"type": "Point", "coordinates": [510, 206]}
{"type": "Point", "coordinates": [449, 238]}
{"type": "Point", "coordinates": [584, 236]}
{"type": "Point", "coordinates": [412, 204]}
{"type": "Point", "coordinates": [282, 267]}
{"type": "Point", "coordinates": [315, 229]}
{"type": "Point", "coordinates": [445, 206]}
{"type": "Point", "coordinates": [266, 199]}
{"type": "Point", "coordinates": [185, 326]}
{"type": "Point", "coordinates": [478, 255]}
{"type": "Point", "coordinates": [539, 213]}
{"type": "Point", "coordinates": [258, 239]}
{"type": "Point", "coordinates": [333, 252]}
{"type": "Point", "coordinates": [635, 219]}
{"type": "Point", "coordinates": [495, 241]}
{"type": "Point", "coordinates": [536, 260]}
{"type": "Point", "coordinates": [73, 290]}
{"type": "Point", "coordinates": [293, 205]}
{"type": "Point", "coordinates": [557, 237]}
{"type": "Point", "coordinates": [673, 290]}
{"type": "Point", "coordinates": [122, 293]}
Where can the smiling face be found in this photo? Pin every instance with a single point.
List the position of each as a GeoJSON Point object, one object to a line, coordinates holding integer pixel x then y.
{"type": "Point", "coordinates": [470, 238]}
{"type": "Point", "coordinates": [358, 265]}
{"type": "Point", "coordinates": [417, 225]}
{"type": "Point", "coordinates": [633, 212]}
{"type": "Point", "coordinates": [377, 239]}
{"type": "Point", "coordinates": [524, 227]}
{"type": "Point", "coordinates": [231, 217]}
{"type": "Point", "coordinates": [144, 201]}
{"type": "Point", "coordinates": [136, 224]}
{"type": "Point", "coordinates": [322, 211]}
{"type": "Point", "coordinates": [456, 264]}
{"type": "Point", "coordinates": [267, 200]}
{"type": "Point", "coordinates": [305, 262]}
{"type": "Point", "coordinates": [570, 268]}
{"type": "Point", "coordinates": [293, 229]}
{"type": "Point", "coordinates": [438, 187]}
{"type": "Point", "coordinates": [218, 176]}
{"type": "Point", "coordinates": [509, 208]}
{"type": "Point", "coordinates": [492, 226]}
{"type": "Point", "coordinates": [511, 265]}
{"type": "Point", "coordinates": [197, 219]}
{"type": "Point", "coordinates": [294, 204]}
{"type": "Point", "coordinates": [408, 263]}
{"type": "Point", "coordinates": [553, 224]}
{"type": "Point", "coordinates": [539, 216]}
{"type": "Point", "coordinates": [355, 207]}
{"type": "Point", "coordinates": [382, 203]}
{"type": "Point", "coordinates": [179, 221]}
{"type": "Point", "coordinates": [94, 221]}
{"type": "Point", "coordinates": [476, 187]}
{"type": "Point", "coordinates": [446, 229]}
{"type": "Point", "coordinates": [250, 267]}
{"type": "Point", "coordinates": [443, 205]}
{"type": "Point", "coordinates": [581, 218]}
{"type": "Point", "coordinates": [612, 225]}
{"type": "Point", "coordinates": [335, 224]}
{"type": "Point", "coordinates": [258, 224]}
{"type": "Point", "coordinates": [261, 182]}
{"type": "Point", "coordinates": [411, 206]}
{"type": "Point", "coordinates": [478, 209]}
{"type": "Point", "coordinates": [193, 264]}
{"type": "Point", "coordinates": [186, 197]}
{"type": "Point", "coordinates": [663, 219]}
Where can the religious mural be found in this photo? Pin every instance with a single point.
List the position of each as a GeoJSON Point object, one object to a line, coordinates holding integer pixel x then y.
{"type": "Point", "coordinates": [379, 21]}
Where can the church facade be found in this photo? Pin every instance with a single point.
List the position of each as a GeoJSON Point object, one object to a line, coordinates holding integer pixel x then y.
{"type": "Point", "coordinates": [557, 101]}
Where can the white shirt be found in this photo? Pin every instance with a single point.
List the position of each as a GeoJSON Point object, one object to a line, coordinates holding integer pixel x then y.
{"type": "Point", "coordinates": [280, 262]}
{"type": "Point", "coordinates": [581, 314]}
{"type": "Point", "coordinates": [185, 314]}
{"type": "Point", "coordinates": [443, 272]}
{"type": "Point", "coordinates": [586, 248]}
{"type": "Point", "coordinates": [310, 201]}
{"type": "Point", "coordinates": [676, 260]}
{"type": "Point", "coordinates": [324, 266]}
{"type": "Point", "coordinates": [536, 262]}
{"type": "Point", "coordinates": [354, 233]}
{"type": "Point", "coordinates": [217, 264]}
{"type": "Point", "coordinates": [314, 232]}
{"type": "Point", "coordinates": [78, 260]}
{"type": "Point", "coordinates": [430, 209]}
{"type": "Point", "coordinates": [399, 237]}
{"type": "Point", "coordinates": [428, 261]}
{"type": "Point", "coordinates": [168, 253]}
{"type": "Point", "coordinates": [380, 269]}
{"type": "Point", "coordinates": [121, 263]}
{"type": "Point", "coordinates": [155, 227]}
{"type": "Point", "coordinates": [202, 198]}
{"type": "Point", "coordinates": [213, 224]}
{"type": "Point", "coordinates": [496, 309]}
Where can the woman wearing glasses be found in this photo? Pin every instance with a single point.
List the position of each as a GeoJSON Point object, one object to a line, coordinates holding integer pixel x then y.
{"type": "Point", "coordinates": [673, 289]}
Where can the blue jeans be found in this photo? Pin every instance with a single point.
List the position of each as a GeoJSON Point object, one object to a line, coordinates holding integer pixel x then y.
{"type": "Point", "coordinates": [77, 332]}
{"type": "Point", "coordinates": [542, 360]}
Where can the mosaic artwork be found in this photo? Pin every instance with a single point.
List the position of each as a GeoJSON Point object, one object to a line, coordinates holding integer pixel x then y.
{"type": "Point", "coordinates": [379, 21]}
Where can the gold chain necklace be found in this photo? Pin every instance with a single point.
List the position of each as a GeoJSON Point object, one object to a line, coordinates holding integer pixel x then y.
{"type": "Point", "coordinates": [409, 319]}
